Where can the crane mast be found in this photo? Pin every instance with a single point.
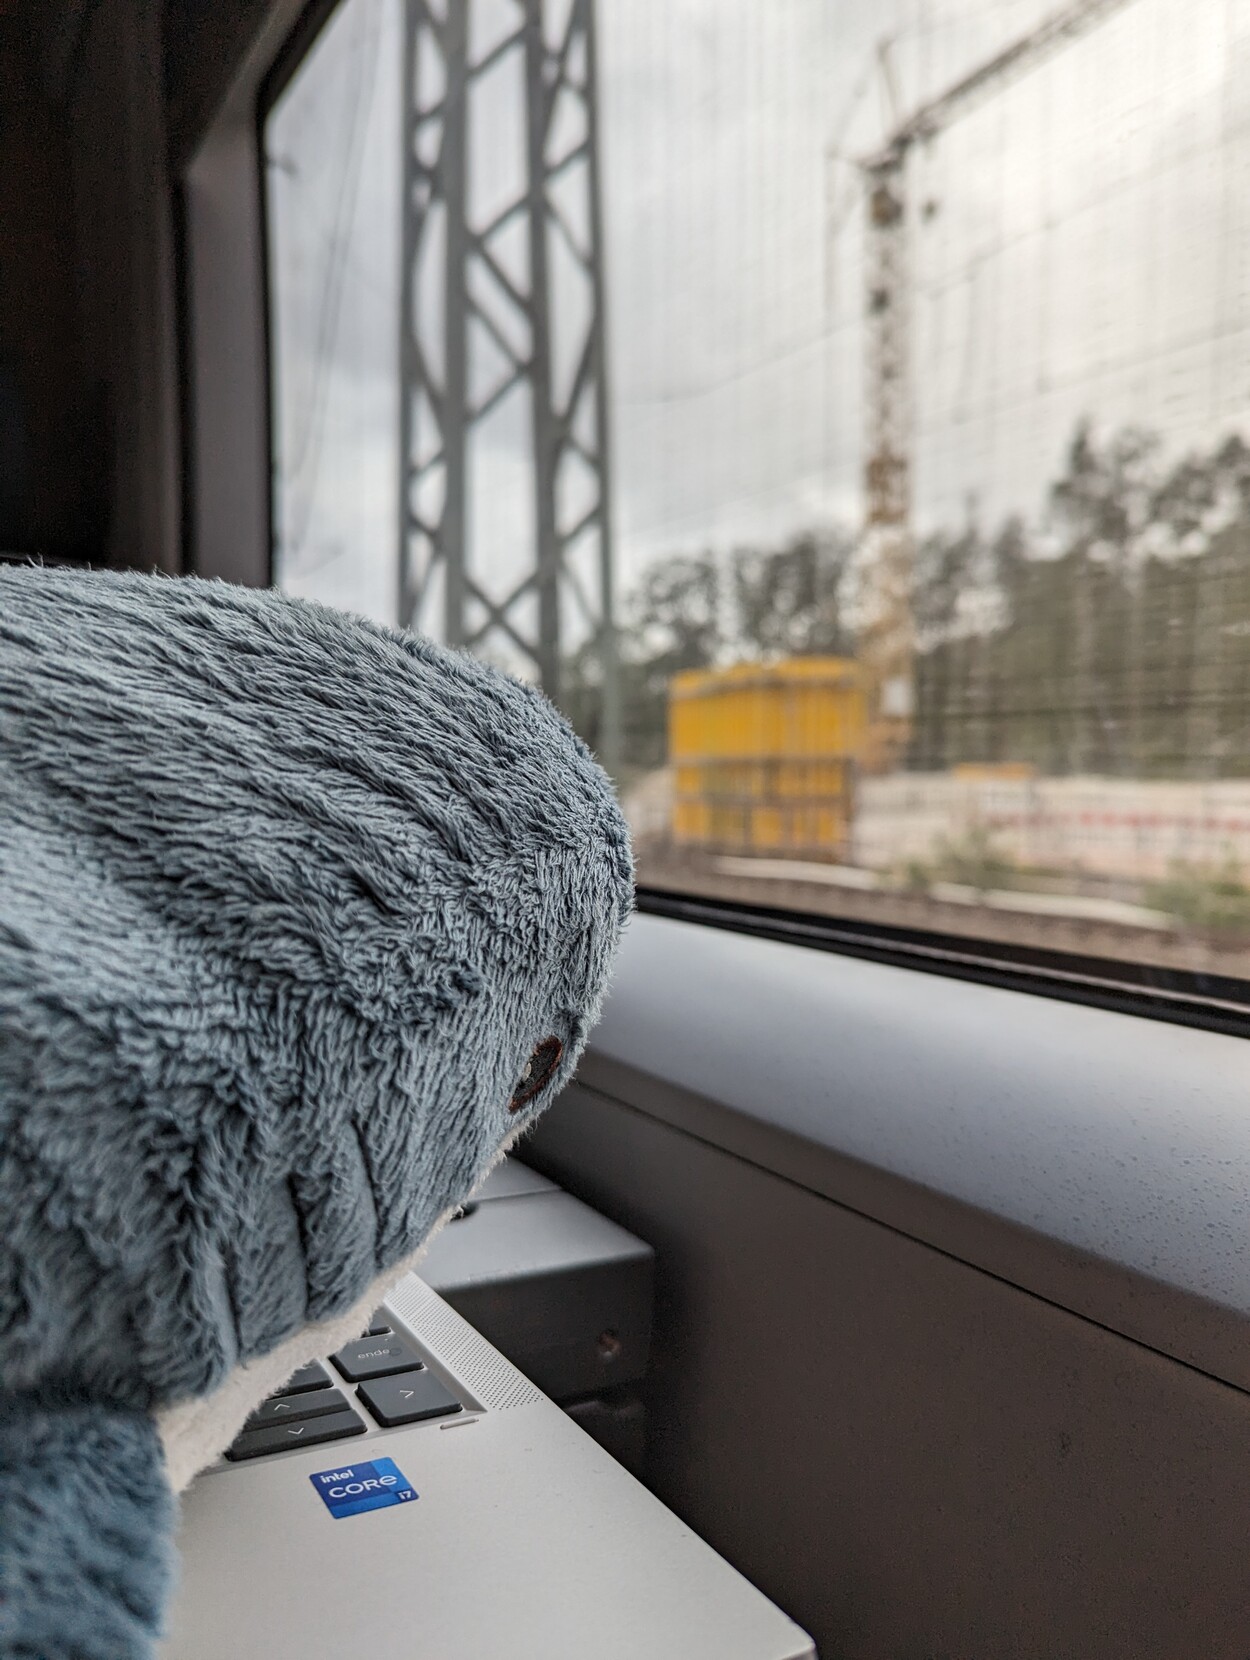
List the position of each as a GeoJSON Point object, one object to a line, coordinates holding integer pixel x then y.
{"type": "Point", "coordinates": [887, 635]}
{"type": "Point", "coordinates": [887, 644]}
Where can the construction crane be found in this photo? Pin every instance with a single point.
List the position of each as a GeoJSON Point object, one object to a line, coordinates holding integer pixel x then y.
{"type": "Point", "coordinates": [887, 634]}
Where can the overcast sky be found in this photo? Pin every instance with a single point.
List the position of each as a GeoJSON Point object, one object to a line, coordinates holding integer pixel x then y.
{"type": "Point", "coordinates": [1080, 246]}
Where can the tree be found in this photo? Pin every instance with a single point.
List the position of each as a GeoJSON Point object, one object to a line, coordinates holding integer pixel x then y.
{"type": "Point", "coordinates": [674, 615]}
{"type": "Point", "coordinates": [1115, 638]}
{"type": "Point", "coordinates": [944, 571]}
{"type": "Point", "coordinates": [672, 622]}
{"type": "Point", "coordinates": [785, 600]}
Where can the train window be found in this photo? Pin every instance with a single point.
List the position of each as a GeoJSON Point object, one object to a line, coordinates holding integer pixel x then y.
{"type": "Point", "coordinates": [841, 411]}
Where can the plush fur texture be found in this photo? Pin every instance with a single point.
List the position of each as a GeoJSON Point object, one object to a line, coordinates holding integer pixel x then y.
{"type": "Point", "coordinates": [287, 902]}
{"type": "Point", "coordinates": [197, 1430]}
{"type": "Point", "coordinates": [86, 1560]}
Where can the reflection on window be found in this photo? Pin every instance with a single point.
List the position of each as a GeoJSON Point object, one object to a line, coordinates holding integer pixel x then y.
{"type": "Point", "coordinates": [843, 411]}
{"type": "Point", "coordinates": [331, 154]}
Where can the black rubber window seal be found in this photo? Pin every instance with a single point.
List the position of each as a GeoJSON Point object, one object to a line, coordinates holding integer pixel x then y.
{"type": "Point", "coordinates": [1209, 1002]}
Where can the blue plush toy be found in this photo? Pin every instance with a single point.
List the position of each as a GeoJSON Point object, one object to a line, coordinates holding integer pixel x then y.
{"type": "Point", "coordinates": [301, 920]}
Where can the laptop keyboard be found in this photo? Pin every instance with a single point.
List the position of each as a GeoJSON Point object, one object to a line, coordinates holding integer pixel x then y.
{"type": "Point", "coordinates": [376, 1357]}
{"type": "Point", "coordinates": [393, 1386]}
{"type": "Point", "coordinates": [293, 1409]}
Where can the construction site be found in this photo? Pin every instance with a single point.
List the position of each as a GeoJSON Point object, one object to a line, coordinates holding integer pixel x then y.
{"type": "Point", "coordinates": [929, 604]}
{"type": "Point", "coordinates": [808, 783]}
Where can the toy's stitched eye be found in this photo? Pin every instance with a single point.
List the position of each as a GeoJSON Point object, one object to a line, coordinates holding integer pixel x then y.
{"type": "Point", "coordinates": [538, 1072]}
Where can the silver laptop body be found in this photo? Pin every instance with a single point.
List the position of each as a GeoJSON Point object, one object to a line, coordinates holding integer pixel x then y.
{"type": "Point", "coordinates": [501, 1532]}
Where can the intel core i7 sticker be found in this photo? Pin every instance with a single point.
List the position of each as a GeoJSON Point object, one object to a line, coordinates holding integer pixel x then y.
{"type": "Point", "coordinates": [357, 1487]}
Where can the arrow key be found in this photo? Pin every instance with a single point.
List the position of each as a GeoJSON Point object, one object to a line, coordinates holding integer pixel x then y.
{"type": "Point", "coordinates": [282, 1437]}
{"type": "Point", "coordinates": [312, 1376]}
{"type": "Point", "coordinates": [293, 1409]}
{"type": "Point", "coordinates": [407, 1398]}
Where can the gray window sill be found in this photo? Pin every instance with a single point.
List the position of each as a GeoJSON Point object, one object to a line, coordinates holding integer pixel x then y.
{"type": "Point", "coordinates": [1095, 1159]}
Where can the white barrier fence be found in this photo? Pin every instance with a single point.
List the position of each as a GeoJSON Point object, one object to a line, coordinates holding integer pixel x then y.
{"type": "Point", "coordinates": [1104, 826]}
{"type": "Point", "coordinates": [1132, 828]}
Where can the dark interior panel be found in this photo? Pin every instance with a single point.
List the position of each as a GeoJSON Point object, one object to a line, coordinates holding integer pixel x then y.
{"type": "Point", "coordinates": [89, 444]}
{"type": "Point", "coordinates": [52, 407]}
{"type": "Point", "coordinates": [106, 105]}
{"type": "Point", "coordinates": [917, 1460]}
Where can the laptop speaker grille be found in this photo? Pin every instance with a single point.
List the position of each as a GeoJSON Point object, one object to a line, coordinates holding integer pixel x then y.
{"type": "Point", "coordinates": [492, 1378]}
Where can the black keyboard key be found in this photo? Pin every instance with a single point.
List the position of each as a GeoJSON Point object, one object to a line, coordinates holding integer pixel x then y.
{"type": "Point", "coordinates": [380, 1324]}
{"type": "Point", "coordinates": [293, 1409]}
{"type": "Point", "coordinates": [407, 1398]}
{"type": "Point", "coordinates": [253, 1443]}
{"type": "Point", "coordinates": [375, 1357]}
{"type": "Point", "coordinates": [312, 1376]}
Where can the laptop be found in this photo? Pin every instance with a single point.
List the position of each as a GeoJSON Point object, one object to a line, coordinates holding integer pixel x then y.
{"type": "Point", "coordinates": [417, 1498]}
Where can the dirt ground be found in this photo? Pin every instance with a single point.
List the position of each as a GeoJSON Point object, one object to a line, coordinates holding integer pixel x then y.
{"type": "Point", "coordinates": [698, 873]}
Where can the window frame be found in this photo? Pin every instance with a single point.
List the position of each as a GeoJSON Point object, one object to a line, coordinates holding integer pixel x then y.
{"type": "Point", "coordinates": [1210, 1002]}
{"type": "Point", "coordinates": [1186, 997]}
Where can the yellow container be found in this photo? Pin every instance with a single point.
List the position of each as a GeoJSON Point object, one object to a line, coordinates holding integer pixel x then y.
{"type": "Point", "coordinates": [764, 756]}
{"type": "Point", "coordinates": [990, 772]}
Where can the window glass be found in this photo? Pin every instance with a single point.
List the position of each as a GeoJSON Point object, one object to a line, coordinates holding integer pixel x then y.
{"type": "Point", "coordinates": [844, 411]}
{"type": "Point", "coordinates": [331, 159]}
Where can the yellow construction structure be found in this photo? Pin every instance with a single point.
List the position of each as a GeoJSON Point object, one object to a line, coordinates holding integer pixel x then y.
{"type": "Point", "coordinates": [765, 756]}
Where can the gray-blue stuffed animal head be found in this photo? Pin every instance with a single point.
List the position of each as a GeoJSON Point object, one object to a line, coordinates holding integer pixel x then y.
{"type": "Point", "coordinates": [300, 920]}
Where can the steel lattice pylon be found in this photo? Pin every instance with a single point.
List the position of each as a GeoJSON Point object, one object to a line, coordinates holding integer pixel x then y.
{"type": "Point", "coordinates": [467, 299]}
